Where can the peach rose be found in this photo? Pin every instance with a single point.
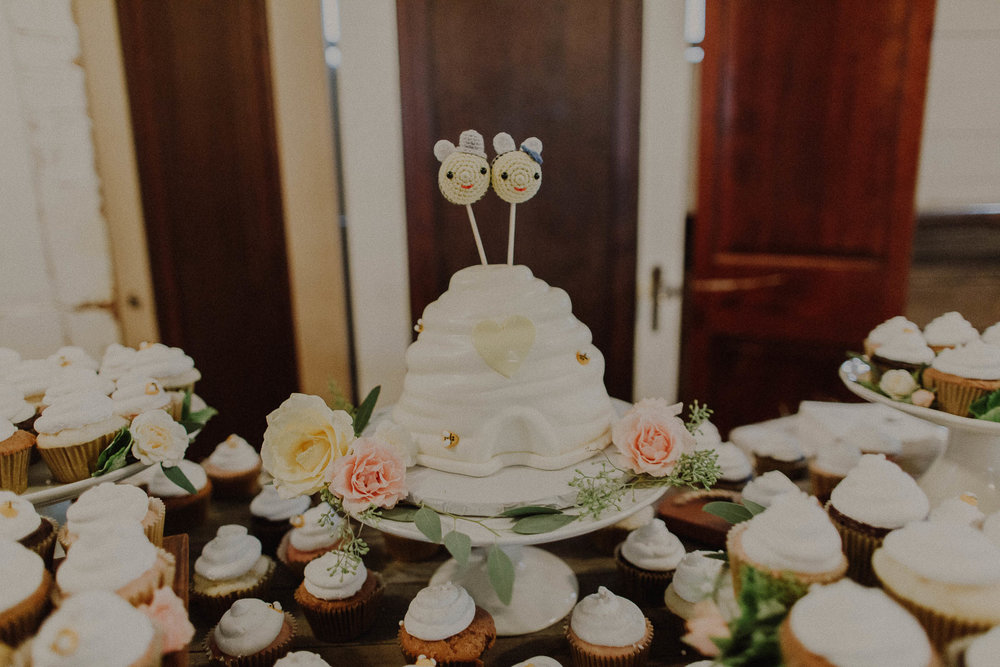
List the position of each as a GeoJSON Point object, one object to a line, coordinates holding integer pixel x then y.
{"type": "Point", "coordinates": [706, 623]}
{"type": "Point", "coordinates": [372, 474]}
{"type": "Point", "coordinates": [651, 436]}
{"type": "Point", "coordinates": [168, 613]}
{"type": "Point", "coordinates": [302, 440]}
{"type": "Point", "coordinates": [922, 398]}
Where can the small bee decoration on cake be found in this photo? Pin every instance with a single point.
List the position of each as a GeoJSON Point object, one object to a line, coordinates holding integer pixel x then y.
{"type": "Point", "coordinates": [464, 175]}
{"type": "Point", "coordinates": [517, 175]}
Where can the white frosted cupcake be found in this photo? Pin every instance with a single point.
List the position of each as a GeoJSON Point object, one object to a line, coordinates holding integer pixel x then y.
{"type": "Point", "coordinates": [907, 351]}
{"type": "Point", "coordinates": [117, 361]}
{"type": "Point", "coordinates": [302, 659]}
{"type": "Point", "coordinates": [20, 522]}
{"type": "Point", "coordinates": [233, 466]}
{"type": "Point", "coordinates": [992, 335]}
{"type": "Point", "coordinates": [792, 541]}
{"type": "Point", "coordinates": [73, 356]}
{"type": "Point", "coordinates": [134, 394]}
{"type": "Point", "coordinates": [948, 331]}
{"type": "Point", "coordinates": [830, 465]}
{"type": "Point", "coordinates": [251, 633]}
{"type": "Point", "coordinates": [606, 539]}
{"type": "Point", "coordinates": [961, 375]}
{"type": "Point", "coordinates": [443, 622]}
{"type": "Point", "coordinates": [539, 661]}
{"type": "Point", "coordinates": [14, 408]}
{"type": "Point", "coordinates": [646, 561]}
{"type": "Point", "coordinates": [32, 377]}
{"type": "Point", "coordinates": [847, 624]}
{"type": "Point", "coordinates": [962, 509]}
{"type": "Point", "coordinates": [314, 533]}
{"type": "Point", "coordinates": [782, 453]}
{"type": "Point", "coordinates": [734, 464]}
{"type": "Point", "coordinates": [73, 431]}
{"type": "Point", "coordinates": [764, 489]}
{"type": "Point", "coordinates": [24, 592]}
{"type": "Point", "coordinates": [875, 498]}
{"type": "Point", "coordinates": [270, 515]}
{"type": "Point", "coordinates": [339, 606]}
{"type": "Point", "coordinates": [698, 576]}
{"type": "Point", "coordinates": [184, 510]}
{"type": "Point", "coordinates": [174, 369]}
{"type": "Point", "coordinates": [75, 380]}
{"type": "Point", "coordinates": [608, 630]}
{"type": "Point", "coordinates": [888, 329]}
{"type": "Point", "coordinates": [231, 566]}
{"type": "Point", "coordinates": [108, 504]}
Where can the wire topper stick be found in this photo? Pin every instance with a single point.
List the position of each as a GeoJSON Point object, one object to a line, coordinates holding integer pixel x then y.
{"type": "Point", "coordinates": [517, 175]}
{"type": "Point", "coordinates": [464, 175]}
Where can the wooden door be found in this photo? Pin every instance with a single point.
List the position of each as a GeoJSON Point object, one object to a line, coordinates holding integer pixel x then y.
{"type": "Point", "coordinates": [809, 135]}
{"type": "Point", "coordinates": [567, 72]}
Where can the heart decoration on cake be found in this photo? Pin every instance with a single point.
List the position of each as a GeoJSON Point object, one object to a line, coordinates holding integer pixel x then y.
{"type": "Point", "coordinates": [505, 346]}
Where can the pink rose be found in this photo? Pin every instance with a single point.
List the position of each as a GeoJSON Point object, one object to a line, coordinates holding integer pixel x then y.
{"type": "Point", "coordinates": [922, 397]}
{"type": "Point", "coordinates": [651, 436]}
{"type": "Point", "coordinates": [372, 473]}
{"type": "Point", "coordinates": [168, 613]}
{"type": "Point", "coordinates": [706, 623]}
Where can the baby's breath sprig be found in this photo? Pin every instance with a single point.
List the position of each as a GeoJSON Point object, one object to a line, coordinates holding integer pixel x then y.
{"type": "Point", "coordinates": [698, 415]}
{"type": "Point", "coordinates": [352, 546]}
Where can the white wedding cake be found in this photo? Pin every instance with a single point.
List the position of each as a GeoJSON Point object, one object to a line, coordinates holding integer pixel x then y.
{"type": "Point", "coordinates": [502, 374]}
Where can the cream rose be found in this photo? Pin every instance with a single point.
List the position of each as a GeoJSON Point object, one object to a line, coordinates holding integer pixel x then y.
{"type": "Point", "coordinates": [651, 436]}
{"type": "Point", "coordinates": [157, 438]}
{"type": "Point", "coordinates": [302, 440]}
{"type": "Point", "coordinates": [898, 384]}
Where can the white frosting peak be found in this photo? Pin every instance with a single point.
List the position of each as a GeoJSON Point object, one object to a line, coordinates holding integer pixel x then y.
{"type": "Point", "coordinates": [539, 661]}
{"type": "Point", "coordinates": [230, 554]}
{"type": "Point", "coordinates": [106, 503]}
{"type": "Point", "coordinates": [325, 580]}
{"type": "Point", "coordinates": [72, 355]}
{"type": "Point", "coordinates": [268, 504]}
{"type": "Point", "coordinates": [159, 361]}
{"type": "Point", "coordinates": [838, 457]}
{"type": "Point", "coordinates": [605, 619]}
{"type": "Point", "coordinates": [117, 361]}
{"type": "Point", "coordinates": [18, 517]}
{"type": "Point", "coordinates": [439, 612]}
{"type": "Point", "coordinates": [976, 360]}
{"type": "Point", "coordinates": [249, 626]}
{"type": "Point", "coordinates": [781, 446]}
{"type": "Point", "coordinates": [234, 454]}
{"type": "Point", "coordinates": [793, 534]}
{"type": "Point", "coordinates": [879, 493]}
{"type": "Point", "coordinates": [733, 462]}
{"type": "Point", "coordinates": [889, 328]}
{"type": "Point", "coordinates": [32, 376]}
{"type": "Point", "coordinates": [302, 659]}
{"type": "Point", "coordinates": [21, 574]}
{"type": "Point", "coordinates": [138, 393]}
{"type": "Point", "coordinates": [13, 407]}
{"type": "Point", "coordinates": [696, 575]}
{"type": "Point", "coordinates": [949, 329]}
{"type": "Point", "coordinates": [653, 547]}
{"type": "Point", "coordinates": [946, 552]}
{"type": "Point", "coordinates": [106, 560]}
{"type": "Point", "coordinates": [308, 534]}
{"type": "Point", "coordinates": [764, 489]}
{"type": "Point", "coordinates": [75, 411]}
{"type": "Point", "coordinates": [908, 347]}
{"type": "Point", "coordinates": [74, 380]}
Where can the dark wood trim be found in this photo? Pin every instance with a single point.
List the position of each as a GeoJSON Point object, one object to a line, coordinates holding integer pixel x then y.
{"type": "Point", "coordinates": [970, 236]}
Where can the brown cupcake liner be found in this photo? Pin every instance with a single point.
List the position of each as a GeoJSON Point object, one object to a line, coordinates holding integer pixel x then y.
{"type": "Point", "coordinates": [585, 654]}
{"type": "Point", "coordinates": [823, 483]}
{"type": "Point", "coordinates": [644, 587]}
{"type": "Point", "coordinates": [482, 622]}
{"type": "Point", "coordinates": [266, 658]}
{"type": "Point", "coordinates": [409, 551]}
{"type": "Point", "coordinates": [228, 484]}
{"type": "Point", "coordinates": [75, 462]}
{"type": "Point", "coordinates": [859, 542]}
{"type": "Point", "coordinates": [791, 469]}
{"type": "Point", "coordinates": [14, 469]}
{"type": "Point", "coordinates": [43, 540]}
{"type": "Point", "coordinates": [881, 365]}
{"type": "Point", "coordinates": [343, 620]}
{"type": "Point", "coordinates": [186, 512]}
{"type": "Point", "coordinates": [941, 628]}
{"type": "Point", "coordinates": [954, 393]}
{"type": "Point", "coordinates": [22, 620]}
{"type": "Point", "coordinates": [212, 607]}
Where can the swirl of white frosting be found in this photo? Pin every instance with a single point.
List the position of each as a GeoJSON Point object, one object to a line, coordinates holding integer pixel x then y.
{"type": "Point", "coordinates": [230, 554]}
{"type": "Point", "coordinates": [781, 447]}
{"type": "Point", "coordinates": [605, 619]}
{"type": "Point", "coordinates": [983, 650]}
{"type": "Point", "coordinates": [764, 489]}
{"type": "Point", "coordinates": [18, 517]}
{"type": "Point", "coordinates": [32, 376]}
{"type": "Point", "coordinates": [117, 361]}
{"type": "Point", "coordinates": [249, 626]}
{"type": "Point", "coordinates": [21, 574]}
{"type": "Point", "coordinates": [908, 347]}
{"type": "Point", "coordinates": [138, 393]}
{"type": "Point", "coordinates": [707, 436]}
{"type": "Point", "coordinates": [991, 528]}
{"type": "Point", "coordinates": [653, 547]}
{"type": "Point", "coordinates": [992, 334]}
{"type": "Point", "coordinates": [75, 411]}
{"type": "Point", "coordinates": [234, 454]}
{"type": "Point", "coordinates": [271, 506]}
{"type": "Point", "coordinates": [106, 560]}
{"type": "Point", "coordinates": [637, 519]}
{"type": "Point", "coordinates": [838, 457]}
{"type": "Point", "coordinates": [881, 632]}
{"type": "Point", "coordinates": [13, 407]}
{"type": "Point", "coordinates": [104, 503]}
{"type": "Point", "coordinates": [949, 329]}
{"type": "Point", "coordinates": [439, 612]}
{"type": "Point", "coordinates": [92, 628]}
{"type": "Point", "coordinates": [159, 361]}
{"type": "Point", "coordinates": [325, 579]}
{"type": "Point", "coordinates": [72, 355]}
{"type": "Point", "coordinates": [733, 462]}
{"type": "Point", "coordinates": [889, 328]}
{"type": "Point", "coordinates": [879, 493]}
{"type": "Point", "coordinates": [161, 486]}
{"type": "Point", "coordinates": [976, 360]}
{"type": "Point", "coordinates": [696, 575]}
{"type": "Point", "coordinates": [75, 380]}
{"type": "Point", "coordinates": [312, 535]}
{"type": "Point", "coordinates": [945, 552]}
{"type": "Point", "coordinates": [794, 534]}
{"type": "Point", "coordinates": [539, 661]}
{"type": "Point", "coordinates": [7, 429]}
{"type": "Point", "coordinates": [962, 509]}
{"type": "Point", "coordinates": [302, 659]}
{"type": "Point", "coordinates": [873, 440]}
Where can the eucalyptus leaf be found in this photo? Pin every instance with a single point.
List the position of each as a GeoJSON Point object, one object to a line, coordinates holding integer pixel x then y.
{"type": "Point", "coordinates": [754, 508]}
{"type": "Point", "coordinates": [116, 454]}
{"type": "Point", "coordinates": [525, 510]}
{"type": "Point", "coordinates": [732, 512]}
{"type": "Point", "coordinates": [501, 573]}
{"type": "Point", "coordinates": [197, 420]}
{"type": "Point", "coordinates": [177, 476]}
{"type": "Point", "coordinates": [113, 462]}
{"type": "Point", "coordinates": [429, 523]}
{"type": "Point", "coordinates": [401, 513]}
{"type": "Point", "coordinates": [541, 523]}
{"type": "Point", "coordinates": [364, 412]}
{"type": "Point", "coordinates": [459, 546]}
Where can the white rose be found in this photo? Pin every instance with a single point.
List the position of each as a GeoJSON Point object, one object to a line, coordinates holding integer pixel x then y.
{"type": "Point", "coordinates": [302, 440]}
{"type": "Point", "coordinates": [898, 384]}
{"type": "Point", "coordinates": [397, 437]}
{"type": "Point", "coordinates": [157, 438]}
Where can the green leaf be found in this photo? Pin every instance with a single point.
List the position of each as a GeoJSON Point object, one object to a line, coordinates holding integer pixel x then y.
{"type": "Point", "coordinates": [186, 406]}
{"type": "Point", "coordinates": [459, 546]}
{"type": "Point", "coordinates": [177, 476]}
{"type": "Point", "coordinates": [541, 523]}
{"type": "Point", "coordinates": [754, 508]}
{"type": "Point", "coordinates": [364, 411]}
{"type": "Point", "coordinates": [197, 420]}
{"type": "Point", "coordinates": [732, 512]}
{"type": "Point", "coordinates": [116, 454]}
{"type": "Point", "coordinates": [429, 523]}
{"type": "Point", "coordinates": [501, 573]}
{"type": "Point", "coordinates": [401, 513]}
{"type": "Point", "coordinates": [987, 407]}
{"type": "Point", "coordinates": [525, 510]}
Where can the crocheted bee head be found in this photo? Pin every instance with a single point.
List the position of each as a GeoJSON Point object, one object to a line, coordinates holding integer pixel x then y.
{"type": "Point", "coordinates": [464, 175]}
{"type": "Point", "coordinates": [517, 174]}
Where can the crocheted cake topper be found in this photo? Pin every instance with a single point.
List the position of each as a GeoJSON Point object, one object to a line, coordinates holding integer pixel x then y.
{"type": "Point", "coordinates": [517, 175]}
{"type": "Point", "coordinates": [464, 175]}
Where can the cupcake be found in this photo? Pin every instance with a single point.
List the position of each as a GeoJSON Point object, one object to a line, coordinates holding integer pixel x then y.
{"type": "Point", "coordinates": [781, 453]}
{"type": "Point", "coordinates": [14, 408]}
{"type": "Point", "coordinates": [183, 510]}
{"type": "Point", "coordinates": [976, 651]}
{"type": "Point", "coordinates": [314, 533]}
{"type": "Point", "coordinates": [270, 514]}
{"type": "Point", "coordinates": [233, 467]}
{"type": "Point", "coordinates": [735, 465]}
{"type": "Point", "coordinates": [76, 380]}
{"type": "Point", "coordinates": [830, 465]}
{"type": "Point", "coordinates": [442, 622]}
{"type": "Point", "coordinates": [883, 332]}
{"type": "Point", "coordinates": [15, 455]}
{"type": "Point", "coordinates": [173, 369]}
{"type": "Point", "coordinates": [19, 522]}
{"type": "Point", "coordinates": [792, 541]}
{"type": "Point", "coordinates": [698, 576]}
{"type": "Point", "coordinates": [251, 633]}
{"type": "Point", "coordinates": [96, 628]}
{"type": "Point", "coordinates": [24, 592]}
{"type": "Point", "coordinates": [960, 376]}
{"type": "Point", "coordinates": [907, 351]}
{"type": "Point", "coordinates": [847, 624]}
{"type": "Point", "coordinates": [606, 539]}
{"type": "Point", "coordinates": [539, 661]}
{"type": "Point", "coordinates": [646, 561]}
{"type": "Point", "coordinates": [302, 659]}
{"type": "Point", "coordinates": [948, 331]}
{"type": "Point", "coordinates": [109, 503]}
{"type": "Point", "coordinates": [992, 335]}
{"type": "Point", "coordinates": [117, 361]}
{"type": "Point", "coordinates": [119, 559]}
{"type": "Point", "coordinates": [134, 394]}
{"type": "Point", "coordinates": [73, 356]}
{"type": "Point", "coordinates": [946, 574]}
{"type": "Point", "coordinates": [73, 431]}
{"type": "Point", "coordinates": [32, 377]}
{"type": "Point", "coordinates": [962, 509]}
{"type": "Point", "coordinates": [606, 630]}
{"type": "Point", "coordinates": [231, 566]}
{"type": "Point", "coordinates": [339, 605]}
{"type": "Point", "coordinates": [764, 489]}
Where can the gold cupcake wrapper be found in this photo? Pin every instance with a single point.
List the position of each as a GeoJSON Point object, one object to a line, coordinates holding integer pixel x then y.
{"type": "Point", "coordinates": [76, 462]}
{"type": "Point", "coordinates": [584, 656]}
{"type": "Point", "coordinates": [941, 629]}
{"type": "Point", "coordinates": [345, 622]}
{"type": "Point", "coordinates": [212, 607]}
{"type": "Point", "coordinates": [265, 658]}
{"type": "Point", "coordinates": [823, 483]}
{"type": "Point", "coordinates": [640, 585]}
{"type": "Point", "coordinates": [954, 397]}
{"type": "Point", "coordinates": [14, 470]}
{"type": "Point", "coordinates": [22, 620]}
{"type": "Point", "coordinates": [139, 591]}
{"type": "Point", "coordinates": [46, 547]}
{"type": "Point", "coordinates": [859, 547]}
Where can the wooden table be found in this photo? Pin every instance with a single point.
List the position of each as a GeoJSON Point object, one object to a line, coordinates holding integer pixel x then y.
{"type": "Point", "coordinates": [377, 647]}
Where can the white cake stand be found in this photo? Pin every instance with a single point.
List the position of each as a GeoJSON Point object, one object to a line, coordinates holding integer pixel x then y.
{"type": "Point", "coordinates": [971, 460]}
